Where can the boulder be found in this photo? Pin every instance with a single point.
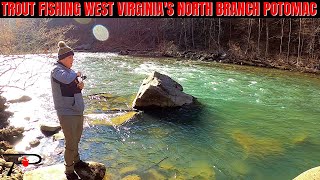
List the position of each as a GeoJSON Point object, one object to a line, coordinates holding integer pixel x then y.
{"type": "Point", "coordinates": [159, 90]}
{"type": "Point", "coordinates": [313, 174]}
{"type": "Point", "coordinates": [95, 171]}
{"type": "Point", "coordinates": [50, 129]}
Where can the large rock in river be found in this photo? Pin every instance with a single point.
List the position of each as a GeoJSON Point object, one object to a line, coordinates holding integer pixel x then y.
{"type": "Point", "coordinates": [159, 90]}
{"type": "Point", "coordinates": [95, 171]}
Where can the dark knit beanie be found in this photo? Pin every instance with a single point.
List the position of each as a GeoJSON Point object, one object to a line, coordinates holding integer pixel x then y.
{"type": "Point", "coordinates": [64, 50]}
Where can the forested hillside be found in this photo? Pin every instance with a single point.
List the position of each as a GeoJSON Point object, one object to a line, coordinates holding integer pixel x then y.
{"type": "Point", "coordinates": [286, 43]}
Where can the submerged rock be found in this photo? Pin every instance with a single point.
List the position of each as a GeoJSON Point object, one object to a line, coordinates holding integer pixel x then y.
{"type": "Point", "coordinates": [301, 139]}
{"type": "Point", "coordinates": [95, 171]}
{"type": "Point", "coordinates": [258, 147]}
{"type": "Point", "coordinates": [117, 120]}
{"type": "Point", "coordinates": [201, 170]}
{"type": "Point", "coordinates": [108, 103]}
{"type": "Point", "coordinates": [159, 90]}
{"type": "Point", "coordinates": [154, 174]}
{"type": "Point", "coordinates": [128, 170]}
{"type": "Point", "coordinates": [131, 177]}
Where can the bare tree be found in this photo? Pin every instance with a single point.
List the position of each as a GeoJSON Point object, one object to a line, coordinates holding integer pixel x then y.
{"type": "Point", "coordinates": [281, 37]}
{"type": "Point", "coordinates": [31, 36]}
{"type": "Point", "coordinates": [249, 35]}
{"type": "Point", "coordinates": [259, 35]}
{"type": "Point", "coordinates": [267, 38]}
{"type": "Point", "coordinates": [300, 26]}
{"type": "Point", "coordinates": [289, 39]}
{"type": "Point", "coordinates": [219, 32]}
{"type": "Point", "coordinates": [21, 36]}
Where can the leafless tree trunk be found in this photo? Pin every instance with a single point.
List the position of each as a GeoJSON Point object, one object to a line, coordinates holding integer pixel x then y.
{"type": "Point", "coordinates": [185, 34]}
{"type": "Point", "coordinates": [281, 38]}
{"type": "Point", "coordinates": [267, 39]}
{"type": "Point", "coordinates": [210, 33]}
{"type": "Point", "coordinates": [312, 44]}
{"type": "Point", "coordinates": [289, 39]}
{"type": "Point", "coordinates": [249, 35]}
{"type": "Point", "coordinates": [192, 33]}
{"type": "Point", "coordinates": [219, 32]}
{"type": "Point", "coordinates": [230, 27]}
{"type": "Point", "coordinates": [259, 36]}
{"type": "Point", "coordinates": [298, 57]}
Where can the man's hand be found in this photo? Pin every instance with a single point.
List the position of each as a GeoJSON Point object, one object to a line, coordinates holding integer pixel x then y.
{"type": "Point", "coordinates": [80, 85]}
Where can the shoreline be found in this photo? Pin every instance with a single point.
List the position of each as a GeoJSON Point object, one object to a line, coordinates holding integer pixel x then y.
{"type": "Point", "coordinates": [9, 136]}
{"type": "Point", "coordinates": [203, 56]}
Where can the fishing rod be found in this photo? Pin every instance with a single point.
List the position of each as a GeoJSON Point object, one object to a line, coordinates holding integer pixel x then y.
{"type": "Point", "coordinates": [83, 77]}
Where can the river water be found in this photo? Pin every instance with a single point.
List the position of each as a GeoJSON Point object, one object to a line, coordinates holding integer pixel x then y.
{"type": "Point", "coordinates": [253, 123]}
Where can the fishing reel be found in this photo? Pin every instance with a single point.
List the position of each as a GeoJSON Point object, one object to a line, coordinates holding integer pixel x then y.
{"type": "Point", "coordinates": [83, 77]}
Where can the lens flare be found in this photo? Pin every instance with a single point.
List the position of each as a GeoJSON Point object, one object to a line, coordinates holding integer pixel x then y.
{"type": "Point", "coordinates": [83, 20]}
{"type": "Point", "coordinates": [100, 32]}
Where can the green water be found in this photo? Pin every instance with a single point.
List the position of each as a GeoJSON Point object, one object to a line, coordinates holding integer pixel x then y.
{"type": "Point", "coordinates": [254, 123]}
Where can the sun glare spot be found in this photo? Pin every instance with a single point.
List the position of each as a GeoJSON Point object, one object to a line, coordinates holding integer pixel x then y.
{"type": "Point", "coordinates": [100, 32]}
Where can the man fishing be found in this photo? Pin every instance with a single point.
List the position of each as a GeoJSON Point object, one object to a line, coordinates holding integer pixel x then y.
{"type": "Point", "coordinates": [68, 101]}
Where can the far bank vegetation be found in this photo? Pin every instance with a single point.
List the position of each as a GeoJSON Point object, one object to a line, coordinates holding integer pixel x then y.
{"type": "Point", "coordinates": [285, 43]}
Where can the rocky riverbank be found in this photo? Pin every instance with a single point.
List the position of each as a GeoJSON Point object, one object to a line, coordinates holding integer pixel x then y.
{"type": "Point", "coordinates": [282, 63]}
{"type": "Point", "coordinates": [8, 137]}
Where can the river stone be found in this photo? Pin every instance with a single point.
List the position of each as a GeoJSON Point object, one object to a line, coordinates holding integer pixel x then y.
{"type": "Point", "coordinates": [21, 99]}
{"type": "Point", "coordinates": [16, 173]}
{"type": "Point", "coordinates": [313, 174]}
{"type": "Point", "coordinates": [50, 129]}
{"type": "Point", "coordinates": [132, 177]}
{"type": "Point", "coordinates": [58, 136]}
{"type": "Point", "coordinates": [11, 158]}
{"type": "Point", "coordinates": [34, 143]}
{"type": "Point", "coordinates": [2, 102]}
{"type": "Point", "coordinates": [8, 164]}
{"type": "Point", "coordinates": [2, 162]}
{"type": "Point", "coordinates": [95, 171]}
{"type": "Point", "coordinates": [159, 90]}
